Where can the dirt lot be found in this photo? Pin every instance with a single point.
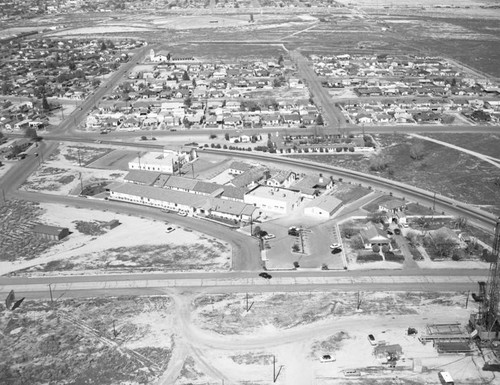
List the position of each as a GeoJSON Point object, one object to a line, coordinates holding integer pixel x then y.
{"type": "Point", "coordinates": [200, 339]}
{"type": "Point", "coordinates": [69, 168]}
{"type": "Point", "coordinates": [92, 248]}
{"type": "Point", "coordinates": [93, 341]}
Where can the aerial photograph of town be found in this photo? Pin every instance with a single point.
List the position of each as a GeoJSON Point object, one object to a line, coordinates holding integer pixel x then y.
{"type": "Point", "coordinates": [254, 192]}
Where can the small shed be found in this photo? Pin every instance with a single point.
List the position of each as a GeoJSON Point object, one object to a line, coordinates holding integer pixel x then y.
{"type": "Point", "coordinates": [50, 232]}
{"type": "Point", "coordinates": [112, 224]}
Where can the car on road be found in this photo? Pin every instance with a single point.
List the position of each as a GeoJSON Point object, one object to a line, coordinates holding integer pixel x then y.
{"type": "Point", "coordinates": [389, 232]}
{"type": "Point", "coordinates": [372, 340]}
{"type": "Point", "coordinates": [336, 250]}
{"type": "Point", "coordinates": [335, 245]}
{"type": "Point", "coordinates": [269, 236]}
{"type": "Point", "coordinates": [265, 275]}
{"type": "Point", "coordinates": [182, 213]}
{"type": "Point", "coordinates": [397, 231]}
{"type": "Point", "coordinates": [405, 225]}
{"type": "Point", "coordinates": [327, 358]}
{"type": "Point", "coordinates": [169, 229]}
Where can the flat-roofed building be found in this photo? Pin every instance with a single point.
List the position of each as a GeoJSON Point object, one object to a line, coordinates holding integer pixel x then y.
{"type": "Point", "coordinates": [323, 207]}
{"type": "Point", "coordinates": [273, 199]}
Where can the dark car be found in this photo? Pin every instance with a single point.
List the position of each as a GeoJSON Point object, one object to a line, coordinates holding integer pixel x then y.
{"type": "Point", "coordinates": [389, 232]}
{"type": "Point", "coordinates": [294, 231]}
{"type": "Point", "coordinates": [397, 231]}
{"type": "Point", "coordinates": [336, 250]}
{"type": "Point", "coordinates": [265, 275]}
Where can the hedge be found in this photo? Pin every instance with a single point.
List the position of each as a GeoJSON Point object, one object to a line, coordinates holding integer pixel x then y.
{"type": "Point", "coordinates": [369, 258]}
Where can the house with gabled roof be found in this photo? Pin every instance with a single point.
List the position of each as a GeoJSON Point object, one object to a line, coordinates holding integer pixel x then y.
{"type": "Point", "coordinates": [229, 210]}
{"type": "Point", "coordinates": [147, 178]}
{"type": "Point", "coordinates": [249, 178]}
{"type": "Point", "coordinates": [233, 193]}
{"type": "Point", "coordinates": [238, 168]}
{"type": "Point", "coordinates": [281, 178]}
{"type": "Point", "coordinates": [208, 188]}
{"type": "Point", "coordinates": [372, 235]}
{"type": "Point", "coordinates": [180, 183]}
{"type": "Point", "coordinates": [311, 185]}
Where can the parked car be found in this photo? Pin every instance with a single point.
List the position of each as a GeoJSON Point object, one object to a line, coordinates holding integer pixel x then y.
{"type": "Point", "coordinates": [265, 275]}
{"type": "Point", "coordinates": [397, 231]}
{"type": "Point", "coordinates": [405, 225]}
{"type": "Point", "coordinates": [336, 250]}
{"type": "Point", "coordinates": [389, 232]}
{"type": "Point", "coordinates": [327, 358]}
{"type": "Point", "coordinates": [335, 245]}
{"type": "Point", "coordinates": [294, 231]}
{"type": "Point", "coordinates": [269, 236]}
{"type": "Point", "coordinates": [372, 339]}
{"type": "Point", "coordinates": [169, 229]}
{"type": "Point", "coordinates": [182, 213]}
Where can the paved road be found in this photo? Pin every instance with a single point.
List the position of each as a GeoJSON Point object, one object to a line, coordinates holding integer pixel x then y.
{"type": "Point", "coordinates": [147, 284]}
{"type": "Point", "coordinates": [13, 178]}
{"type": "Point", "coordinates": [332, 115]}
{"type": "Point", "coordinates": [246, 255]}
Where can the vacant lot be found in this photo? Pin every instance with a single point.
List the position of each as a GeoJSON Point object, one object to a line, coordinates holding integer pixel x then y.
{"type": "Point", "coordinates": [91, 341]}
{"type": "Point", "coordinates": [16, 237]}
{"type": "Point", "coordinates": [440, 169]}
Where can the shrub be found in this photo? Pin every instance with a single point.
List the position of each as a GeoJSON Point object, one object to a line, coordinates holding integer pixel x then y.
{"type": "Point", "coordinates": [385, 248]}
{"type": "Point", "coordinates": [296, 264]}
{"type": "Point", "coordinates": [391, 257]}
{"type": "Point", "coordinates": [368, 258]}
{"type": "Point", "coordinates": [376, 248]}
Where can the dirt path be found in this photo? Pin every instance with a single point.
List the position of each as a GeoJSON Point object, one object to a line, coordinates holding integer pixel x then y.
{"type": "Point", "coordinates": [494, 161]}
{"type": "Point", "coordinates": [290, 346]}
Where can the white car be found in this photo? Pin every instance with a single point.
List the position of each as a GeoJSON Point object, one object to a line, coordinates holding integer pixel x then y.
{"type": "Point", "coordinates": [182, 213]}
{"type": "Point", "coordinates": [269, 236]}
{"type": "Point", "coordinates": [327, 358]}
{"type": "Point", "coordinates": [335, 245]}
{"type": "Point", "coordinates": [405, 225]}
{"type": "Point", "coordinates": [169, 229]}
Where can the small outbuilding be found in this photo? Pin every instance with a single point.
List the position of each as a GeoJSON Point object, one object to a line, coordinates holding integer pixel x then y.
{"type": "Point", "coordinates": [50, 232]}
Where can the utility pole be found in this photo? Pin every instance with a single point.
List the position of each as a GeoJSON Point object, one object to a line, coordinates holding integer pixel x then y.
{"type": "Point", "coordinates": [3, 195]}
{"type": "Point", "coordinates": [276, 375]}
{"type": "Point", "coordinates": [434, 203]}
{"type": "Point", "coordinates": [248, 307]}
{"type": "Point", "coordinates": [467, 299]}
{"type": "Point", "coordinates": [50, 290]}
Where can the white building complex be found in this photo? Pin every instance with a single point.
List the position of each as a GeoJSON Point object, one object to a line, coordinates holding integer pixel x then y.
{"type": "Point", "coordinates": [273, 199]}
{"type": "Point", "coordinates": [167, 161]}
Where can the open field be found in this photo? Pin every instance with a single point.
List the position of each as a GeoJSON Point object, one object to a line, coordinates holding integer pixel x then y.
{"type": "Point", "coordinates": [441, 169]}
{"type": "Point", "coordinates": [91, 247]}
{"type": "Point", "coordinates": [198, 339]}
{"type": "Point", "coordinates": [96, 341]}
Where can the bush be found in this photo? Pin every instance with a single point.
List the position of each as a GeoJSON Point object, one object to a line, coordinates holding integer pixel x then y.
{"type": "Point", "coordinates": [391, 257]}
{"type": "Point", "coordinates": [376, 248]}
{"type": "Point", "coordinates": [296, 264]}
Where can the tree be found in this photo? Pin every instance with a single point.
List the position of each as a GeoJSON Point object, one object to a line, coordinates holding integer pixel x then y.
{"type": "Point", "coordinates": [251, 18]}
{"type": "Point", "coordinates": [417, 151]}
{"type": "Point", "coordinates": [188, 102]}
{"type": "Point", "coordinates": [319, 120]}
{"type": "Point", "coordinates": [442, 245]}
{"type": "Point", "coordinates": [103, 46]}
{"type": "Point", "coordinates": [226, 136]}
{"type": "Point", "coordinates": [460, 223]}
{"type": "Point", "coordinates": [376, 217]}
{"type": "Point", "coordinates": [72, 66]}
{"type": "Point", "coordinates": [185, 76]}
{"type": "Point", "coordinates": [281, 60]}
{"type": "Point", "coordinates": [379, 162]}
{"type": "Point", "coordinates": [45, 104]}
